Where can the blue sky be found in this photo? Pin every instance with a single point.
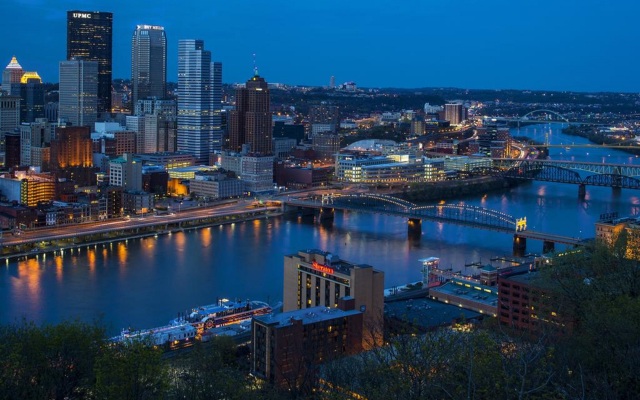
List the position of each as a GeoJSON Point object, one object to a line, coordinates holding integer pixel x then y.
{"type": "Point", "coordinates": [584, 45]}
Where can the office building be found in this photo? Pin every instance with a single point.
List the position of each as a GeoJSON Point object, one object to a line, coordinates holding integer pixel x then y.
{"type": "Point", "coordinates": [33, 135]}
{"type": "Point", "coordinates": [199, 127]}
{"type": "Point", "coordinates": [12, 145]}
{"type": "Point", "coordinates": [31, 92]}
{"type": "Point", "coordinates": [11, 75]}
{"type": "Point", "coordinates": [89, 38]}
{"type": "Point", "coordinates": [250, 127]}
{"type": "Point", "coordinates": [324, 118]}
{"type": "Point", "coordinates": [9, 116]}
{"type": "Point", "coordinates": [288, 346]}
{"type": "Point", "coordinates": [28, 188]}
{"type": "Point", "coordinates": [78, 103]}
{"type": "Point", "coordinates": [317, 278]}
{"type": "Point", "coordinates": [160, 125]}
{"type": "Point", "coordinates": [148, 63]}
{"type": "Point", "coordinates": [126, 172]}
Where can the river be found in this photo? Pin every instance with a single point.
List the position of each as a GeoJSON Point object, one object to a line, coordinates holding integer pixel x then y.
{"type": "Point", "coordinates": [143, 283]}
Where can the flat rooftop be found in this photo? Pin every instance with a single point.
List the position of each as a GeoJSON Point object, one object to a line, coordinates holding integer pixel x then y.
{"type": "Point", "coordinates": [470, 291]}
{"type": "Point", "coordinates": [309, 315]}
{"type": "Point", "coordinates": [427, 313]}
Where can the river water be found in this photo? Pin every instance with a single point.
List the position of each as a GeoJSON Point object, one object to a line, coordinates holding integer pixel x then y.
{"type": "Point", "coordinates": [144, 283]}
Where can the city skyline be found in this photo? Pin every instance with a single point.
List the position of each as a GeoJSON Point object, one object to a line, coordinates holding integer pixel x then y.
{"type": "Point", "coordinates": [581, 46]}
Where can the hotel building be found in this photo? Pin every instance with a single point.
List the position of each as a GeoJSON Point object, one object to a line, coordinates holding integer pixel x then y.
{"type": "Point", "coordinates": [317, 278]}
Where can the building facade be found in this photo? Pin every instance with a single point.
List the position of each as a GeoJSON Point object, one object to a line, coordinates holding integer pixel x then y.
{"type": "Point", "coordinates": [148, 63]}
{"type": "Point", "coordinates": [250, 123]}
{"type": "Point", "coordinates": [288, 346]}
{"type": "Point", "coordinates": [89, 38]}
{"type": "Point", "coordinates": [199, 130]}
{"type": "Point", "coordinates": [317, 278]}
{"type": "Point", "coordinates": [78, 101]}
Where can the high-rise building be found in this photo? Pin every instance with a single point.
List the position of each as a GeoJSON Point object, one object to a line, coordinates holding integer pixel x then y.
{"type": "Point", "coordinates": [32, 94]}
{"type": "Point", "coordinates": [317, 278]}
{"type": "Point", "coordinates": [250, 122]}
{"type": "Point", "coordinates": [198, 131]}
{"type": "Point", "coordinates": [78, 92]}
{"type": "Point", "coordinates": [454, 113]}
{"type": "Point", "coordinates": [148, 63]}
{"type": "Point", "coordinates": [11, 74]}
{"type": "Point", "coordinates": [9, 116]}
{"type": "Point", "coordinates": [33, 135]}
{"type": "Point", "coordinates": [12, 145]}
{"type": "Point", "coordinates": [89, 38]}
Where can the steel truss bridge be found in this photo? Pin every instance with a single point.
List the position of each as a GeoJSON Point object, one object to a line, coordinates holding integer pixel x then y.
{"type": "Point", "coordinates": [460, 214]}
{"type": "Point", "coordinates": [611, 175]}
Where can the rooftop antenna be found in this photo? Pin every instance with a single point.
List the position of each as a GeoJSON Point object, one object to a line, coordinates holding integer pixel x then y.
{"type": "Point", "coordinates": [255, 67]}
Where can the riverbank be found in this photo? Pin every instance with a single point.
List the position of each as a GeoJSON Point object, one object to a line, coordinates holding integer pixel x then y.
{"type": "Point", "coordinates": [447, 190]}
{"type": "Point", "coordinates": [58, 247]}
{"type": "Point", "coordinates": [591, 133]}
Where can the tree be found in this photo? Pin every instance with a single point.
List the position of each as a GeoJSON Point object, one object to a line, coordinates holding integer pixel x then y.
{"type": "Point", "coordinates": [131, 371]}
{"type": "Point", "coordinates": [52, 361]}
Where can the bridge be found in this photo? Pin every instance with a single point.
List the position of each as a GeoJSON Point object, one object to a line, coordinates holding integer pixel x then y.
{"type": "Point", "coordinates": [610, 175]}
{"type": "Point", "coordinates": [460, 214]}
{"type": "Point", "coordinates": [550, 116]}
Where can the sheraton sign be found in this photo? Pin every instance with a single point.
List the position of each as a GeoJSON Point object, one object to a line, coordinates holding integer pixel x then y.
{"type": "Point", "coordinates": [322, 268]}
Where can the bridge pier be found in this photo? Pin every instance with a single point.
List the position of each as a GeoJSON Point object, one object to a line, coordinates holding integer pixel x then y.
{"type": "Point", "coordinates": [582, 190]}
{"type": "Point", "coordinates": [325, 214]}
{"type": "Point", "coordinates": [548, 246]}
{"type": "Point", "coordinates": [519, 246]}
{"type": "Point", "coordinates": [414, 228]}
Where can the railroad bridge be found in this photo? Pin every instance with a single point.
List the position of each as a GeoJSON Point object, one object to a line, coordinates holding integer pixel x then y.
{"type": "Point", "coordinates": [617, 176]}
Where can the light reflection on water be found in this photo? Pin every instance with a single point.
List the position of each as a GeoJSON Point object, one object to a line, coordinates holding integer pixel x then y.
{"type": "Point", "coordinates": [144, 283]}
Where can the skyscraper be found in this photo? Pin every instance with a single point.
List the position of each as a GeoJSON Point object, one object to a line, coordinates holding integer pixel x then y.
{"type": "Point", "coordinates": [11, 75]}
{"type": "Point", "coordinates": [148, 63]}
{"type": "Point", "coordinates": [89, 38]}
{"type": "Point", "coordinates": [78, 92]}
{"type": "Point", "coordinates": [250, 122]}
{"type": "Point", "coordinates": [199, 130]}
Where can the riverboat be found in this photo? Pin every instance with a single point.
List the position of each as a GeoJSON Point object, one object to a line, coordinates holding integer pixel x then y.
{"type": "Point", "coordinates": [224, 312]}
{"type": "Point", "coordinates": [170, 336]}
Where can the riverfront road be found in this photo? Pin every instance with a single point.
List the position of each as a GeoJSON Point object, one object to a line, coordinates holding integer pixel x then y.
{"type": "Point", "coordinates": [89, 228]}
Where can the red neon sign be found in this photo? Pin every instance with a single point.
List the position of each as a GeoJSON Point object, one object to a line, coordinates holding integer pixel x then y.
{"type": "Point", "coordinates": [321, 268]}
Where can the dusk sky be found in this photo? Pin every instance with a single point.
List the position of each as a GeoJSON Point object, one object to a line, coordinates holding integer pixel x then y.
{"type": "Point", "coordinates": [583, 45]}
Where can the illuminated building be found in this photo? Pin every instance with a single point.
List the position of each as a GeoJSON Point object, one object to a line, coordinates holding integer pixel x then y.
{"type": "Point", "coordinates": [31, 91]}
{"type": "Point", "coordinates": [9, 116]}
{"type": "Point", "coordinates": [11, 75]}
{"type": "Point", "coordinates": [78, 92]}
{"type": "Point", "coordinates": [454, 113]}
{"type": "Point", "coordinates": [148, 62]}
{"type": "Point", "coordinates": [199, 101]}
{"type": "Point", "coordinates": [89, 38]}
{"type": "Point", "coordinates": [72, 155]}
{"type": "Point", "coordinates": [610, 227]}
{"type": "Point", "coordinates": [168, 160]}
{"type": "Point", "coordinates": [256, 171]}
{"type": "Point", "coordinates": [29, 188]}
{"type": "Point", "coordinates": [287, 346]}
{"type": "Point", "coordinates": [317, 278]}
{"type": "Point", "coordinates": [250, 127]}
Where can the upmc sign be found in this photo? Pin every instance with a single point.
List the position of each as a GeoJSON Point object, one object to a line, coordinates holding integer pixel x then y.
{"type": "Point", "coordinates": [81, 15]}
